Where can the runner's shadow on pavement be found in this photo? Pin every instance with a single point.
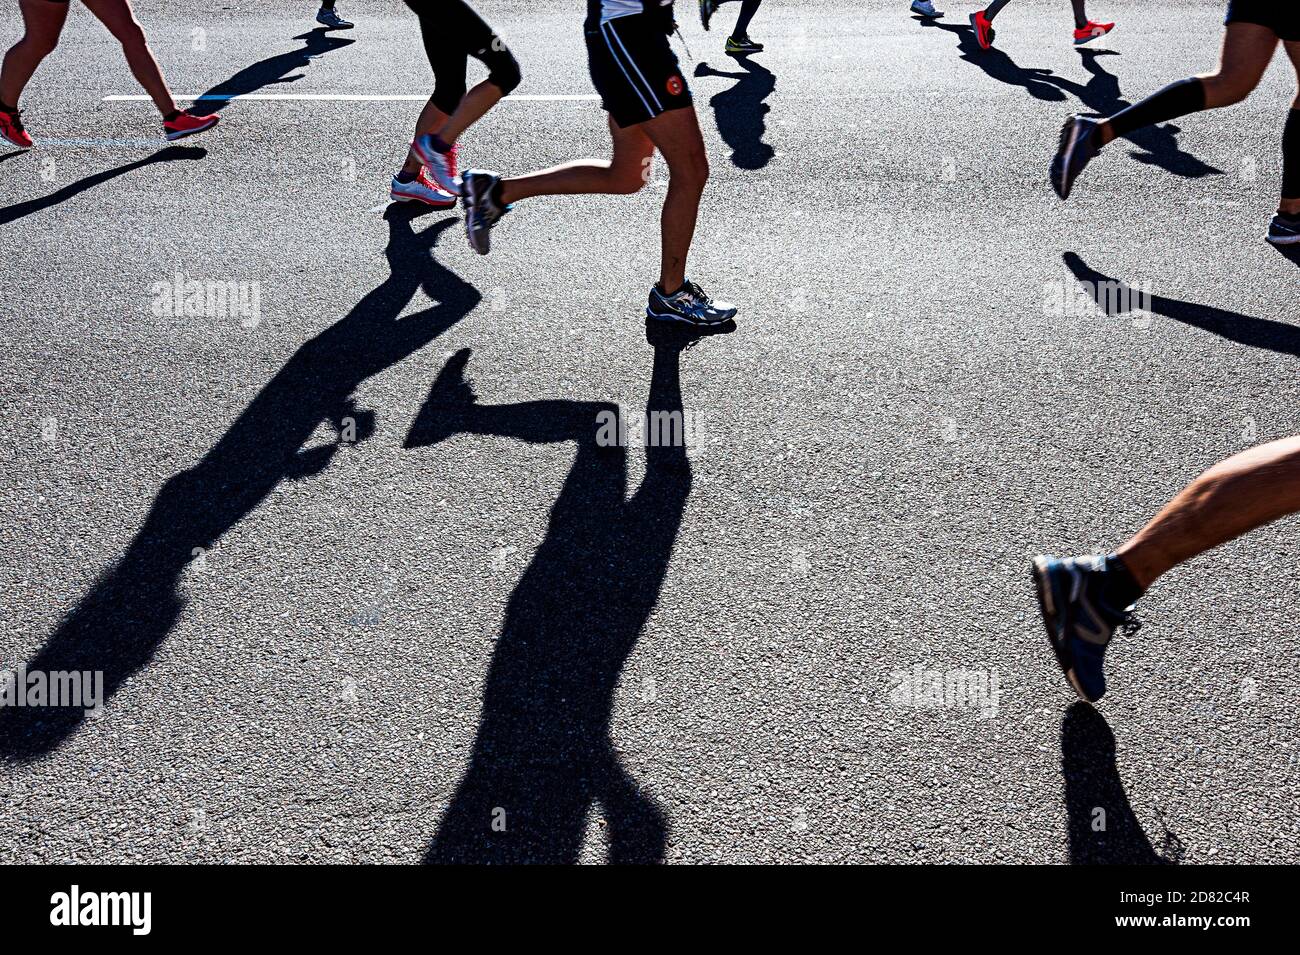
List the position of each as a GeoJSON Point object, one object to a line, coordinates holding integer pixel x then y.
{"type": "Point", "coordinates": [1118, 298]}
{"type": "Point", "coordinates": [1158, 144]}
{"type": "Point", "coordinates": [120, 623]}
{"type": "Point", "coordinates": [741, 111]}
{"type": "Point", "coordinates": [19, 210]}
{"type": "Point", "coordinates": [998, 65]}
{"type": "Point", "coordinates": [272, 70]}
{"type": "Point", "coordinates": [1289, 252]}
{"type": "Point", "coordinates": [543, 756]}
{"type": "Point", "coordinates": [1103, 829]}
{"type": "Point", "coordinates": [1101, 95]}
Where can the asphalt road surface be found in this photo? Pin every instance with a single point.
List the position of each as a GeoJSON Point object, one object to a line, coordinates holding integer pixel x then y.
{"type": "Point", "coordinates": [364, 586]}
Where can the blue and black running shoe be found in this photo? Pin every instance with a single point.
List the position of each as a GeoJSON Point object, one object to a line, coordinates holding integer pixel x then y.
{"type": "Point", "coordinates": [1079, 144]}
{"type": "Point", "coordinates": [1079, 621]}
{"type": "Point", "coordinates": [1284, 230]}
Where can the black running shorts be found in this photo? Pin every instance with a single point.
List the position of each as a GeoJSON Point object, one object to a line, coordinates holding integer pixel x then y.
{"type": "Point", "coordinates": [635, 69]}
{"type": "Point", "coordinates": [1280, 16]}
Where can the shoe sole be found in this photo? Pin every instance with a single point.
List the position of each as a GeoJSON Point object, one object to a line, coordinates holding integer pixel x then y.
{"type": "Point", "coordinates": [674, 317]}
{"type": "Point", "coordinates": [15, 143]}
{"type": "Point", "coordinates": [1095, 36]}
{"type": "Point", "coordinates": [1047, 606]}
{"type": "Point", "coordinates": [398, 197]}
{"type": "Point", "coordinates": [172, 137]}
{"type": "Point", "coordinates": [472, 197]}
{"type": "Point", "coordinates": [1287, 240]}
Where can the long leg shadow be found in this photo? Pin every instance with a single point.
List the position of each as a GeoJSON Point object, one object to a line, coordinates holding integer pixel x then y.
{"type": "Point", "coordinates": [18, 210]}
{"type": "Point", "coordinates": [1036, 82]}
{"type": "Point", "coordinates": [272, 70]}
{"type": "Point", "coordinates": [543, 754]}
{"type": "Point", "coordinates": [1158, 144]}
{"type": "Point", "coordinates": [119, 624]}
{"type": "Point", "coordinates": [1289, 252]}
{"type": "Point", "coordinates": [1103, 829]}
{"type": "Point", "coordinates": [741, 112]}
{"type": "Point", "coordinates": [1101, 94]}
{"type": "Point", "coordinates": [1115, 298]}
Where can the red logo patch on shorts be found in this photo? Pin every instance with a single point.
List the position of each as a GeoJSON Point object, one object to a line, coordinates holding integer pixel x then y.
{"type": "Point", "coordinates": [675, 86]}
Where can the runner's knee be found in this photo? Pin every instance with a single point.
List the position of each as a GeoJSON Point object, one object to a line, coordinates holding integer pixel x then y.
{"type": "Point", "coordinates": [628, 178]}
{"type": "Point", "coordinates": [692, 169]}
{"type": "Point", "coordinates": [503, 70]}
{"type": "Point", "coordinates": [1227, 89]}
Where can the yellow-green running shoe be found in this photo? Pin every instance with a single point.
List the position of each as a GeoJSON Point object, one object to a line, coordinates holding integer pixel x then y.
{"type": "Point", "coordinates": [742, 46]}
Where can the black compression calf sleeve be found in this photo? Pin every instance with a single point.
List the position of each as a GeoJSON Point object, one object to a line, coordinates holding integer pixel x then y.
{"type": "Point", "coordinates": [1080, 13]}
{"type": "Point", "coordinates": [1176, 99]}
{"type": "Point", "coordinates": [995, 8]}
{"type": "Point", "coordinates": [1291, 156]}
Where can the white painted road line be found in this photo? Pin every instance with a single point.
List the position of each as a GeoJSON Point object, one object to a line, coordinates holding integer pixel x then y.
{"type": "Point", "coordinates": [350, 98]}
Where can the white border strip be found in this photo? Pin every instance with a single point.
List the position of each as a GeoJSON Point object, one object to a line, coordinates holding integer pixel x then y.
{"type": "Point", "coordinates": [348, 98]}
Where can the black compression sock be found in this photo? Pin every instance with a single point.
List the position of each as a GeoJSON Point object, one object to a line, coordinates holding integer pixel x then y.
{"type": "Point", "coordinates": [1176, 99]}
{"type": "Point", "coordinates": [405, 176]}
{"type": "Point", "coordinates": [438, 144]}
{"type": "Point", "coordinates": [1118, 585]}
{"type": "Point", "coordinates": [1291, 156]}
{"type": "Point", "coordinates": [6, 108]}
{"type": "Point", "coordinates": [1080, 14]}
{"type": "Point", "coordinates": [168, 117]}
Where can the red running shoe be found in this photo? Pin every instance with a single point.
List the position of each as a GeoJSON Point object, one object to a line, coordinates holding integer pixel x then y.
{"type": "Point", "coordinates": [983, 28]}
{"type": "Point", "coordinates": [1090, 31]}
{"type": "Point", "coordinates": [442, 166]}
{"type": "Point", "coordinates": [12, 132]}
{"type": "Point", "coordinates": [188, 124]}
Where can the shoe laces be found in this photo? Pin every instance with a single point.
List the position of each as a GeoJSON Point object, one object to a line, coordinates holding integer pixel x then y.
{"type": "Point", "coordinates": [696, 294]}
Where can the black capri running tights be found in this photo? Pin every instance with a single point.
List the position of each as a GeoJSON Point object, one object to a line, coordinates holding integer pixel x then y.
{"type": "Point", "coordinates": [452, 33]}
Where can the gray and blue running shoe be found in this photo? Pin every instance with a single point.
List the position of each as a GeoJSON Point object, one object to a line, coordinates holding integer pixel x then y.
{"type": "Point", "coordinates": [482, 210]}
{"type": "Point", "coordinates": [1080, 623]}
{"type": "Point", "coordinates": [689, 305]}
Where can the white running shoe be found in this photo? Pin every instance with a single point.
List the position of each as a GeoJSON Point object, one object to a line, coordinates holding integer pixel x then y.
{"type": "Point", "coordinates": [422, 189]}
